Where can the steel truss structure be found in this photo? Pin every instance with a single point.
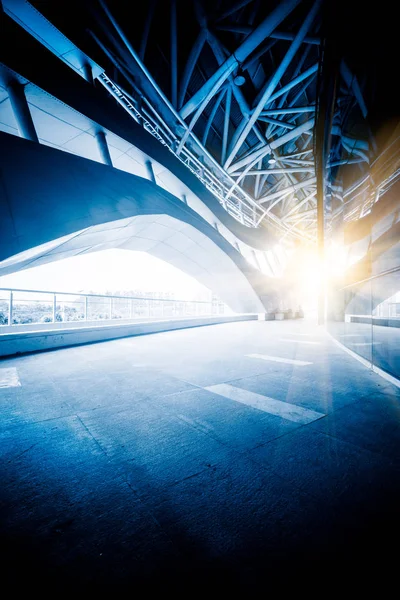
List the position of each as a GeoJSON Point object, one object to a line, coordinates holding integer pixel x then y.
{"type": "Point", "coordinates": [232, 88]}
{"type": "Point", "coordinates": [240, 109]}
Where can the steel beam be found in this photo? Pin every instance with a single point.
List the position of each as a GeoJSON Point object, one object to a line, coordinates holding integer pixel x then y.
{"type": "Point", "coordinates": [201, 98]}
{"type": "Point", "coordinates": [272, 145]}
{"type": "Point", "coordinates": [215, 46]}
{"type": "Point", "coordinates": [282, 124]}
{"type": "Point", "coordinates": [271, 129]}
{"type": "Point", "coordinates": [287, 111]}
{"type": "Point", "coordinates": [190, 64]}
{"type": "Point", "coordinates": [353, 142]}
{"type": "Point", "coordinates": [345, 161]}
{"type": "Point", "coordinates": [293, 188]}
{"type": "Point", "coordinates": [245, 29]}
{"type": "Point", "coordinates": [283, 35]}
{"type": "Point", "coordinates": [275, 35]}
{"type": "Point", "coordinates": [146, 28]}
{"type": "Point", "coordinates": [352, 84]}
{"type": "Point", "coordinates": [233, 9]}
{"type": "Point", "coordinates": [307, 73]}
{"type": "Point", "coordinates": [300, 204]}
{"type": "Point", "coordinates": [297, 162]}
{"type": "Point", "coordinates": [283, 99]}
{"type": "Point", "coordinates": [174, 56]}
{"type": "Point", "coordinates": [220, 53]}
{"type": "Point", "coordinates": [256, 55]}
{"type": "Point", "coordinates": [302, 214]}
{"type": "Point", "coordinates": [226, 122]}
{"type": "Point", "coordinates": [279, 171]}
{"type": "Point", "coordinates": [242, 176]}
{"type": "Point", "coordinates": [212, 116]}
{"type": "Point", "coordinates": [257, 180]}
{"type": "Point", "coordinates": [275, 79]}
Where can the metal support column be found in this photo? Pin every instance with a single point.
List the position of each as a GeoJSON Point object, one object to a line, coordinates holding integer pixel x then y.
{"type": "Point", "coordinates": [150, 171]}
{"type": "Point", "coordinates": [54, 308]}
{"type": "Point", "coordinates": [326, 98]}
{"type": "Point", "coordinates": [103, 148]}
{"type": "Point", "coordinates": [87, 71]}
{"type": "Point", "coordinates": [21, 111]}
{"type": "Point", "coordinates": [321, 246]}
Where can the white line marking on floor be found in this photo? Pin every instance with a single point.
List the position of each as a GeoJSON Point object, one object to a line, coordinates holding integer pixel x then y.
{"type": "Point", "coordinates": [288, 411]}
{"type": "Point", "coordinates": [9, 378]}
{"type": "Point", "coordinates": [299, 341]}
{"type": "Point", "coordinates": [289, 361]}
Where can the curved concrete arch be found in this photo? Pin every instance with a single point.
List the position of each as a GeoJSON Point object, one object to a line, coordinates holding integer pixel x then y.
{"type": "Point", "coordinates": [56, 205]}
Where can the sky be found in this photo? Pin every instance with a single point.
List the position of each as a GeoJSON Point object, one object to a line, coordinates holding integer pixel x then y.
{"type": "Point", "coordinates": [109, 270]}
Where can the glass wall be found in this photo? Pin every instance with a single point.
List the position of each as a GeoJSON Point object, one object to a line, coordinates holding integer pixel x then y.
{"type": "Point", "coordinates": [365, 317]}
{"type": "Point", "coordinates": [364, 308]}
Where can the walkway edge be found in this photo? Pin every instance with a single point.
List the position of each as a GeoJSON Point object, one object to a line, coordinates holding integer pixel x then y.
{"type": "Point", "coordinates": [15, 344]}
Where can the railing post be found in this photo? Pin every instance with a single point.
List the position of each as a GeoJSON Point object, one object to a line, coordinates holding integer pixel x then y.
{"type": "Point", "coordinates": [54, 307]}
{"type": "Point", "coordinates": [85, 314]}
{"type": "Point", "coordinates": [10, 310]}
{"type": "Point", "coordinates": [131, 309]}
{"type": "Point", "coordinates": [111, 307]}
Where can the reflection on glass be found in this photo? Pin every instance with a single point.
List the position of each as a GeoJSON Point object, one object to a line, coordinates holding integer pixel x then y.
{"type": "Point", "coordinates": [365, 317]}
{"type": "Point", "coordinates": [386, 323]}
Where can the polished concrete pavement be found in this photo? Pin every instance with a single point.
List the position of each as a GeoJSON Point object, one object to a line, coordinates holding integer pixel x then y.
{"type": "Point", "coordinates": [234, 455]}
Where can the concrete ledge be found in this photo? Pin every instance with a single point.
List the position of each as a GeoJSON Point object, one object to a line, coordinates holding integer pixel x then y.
{"type": "Point", "coordinates": [380, 321]}
{"type": "Point", "coordinates": [36, 341]}
{"type": "Point", "coordinates": [27, 327]}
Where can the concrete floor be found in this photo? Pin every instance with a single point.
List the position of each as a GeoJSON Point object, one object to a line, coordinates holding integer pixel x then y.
{"type": "Point", "coordinates": [119, 467]}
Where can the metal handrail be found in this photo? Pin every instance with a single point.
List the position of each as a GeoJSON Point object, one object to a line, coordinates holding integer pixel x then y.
{"type": "Point", "coordinates": [159, 129]}
{"type": "Point", "coordinates": [102, 295]}
{"type": "Point", "coordinates": [84, 297]}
